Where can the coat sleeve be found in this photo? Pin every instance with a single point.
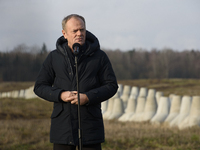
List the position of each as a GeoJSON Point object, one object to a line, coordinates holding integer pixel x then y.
{"type": "Point", "coordinates": [108, 83]}
{"type": "Point", "coordinates": [44, 82]}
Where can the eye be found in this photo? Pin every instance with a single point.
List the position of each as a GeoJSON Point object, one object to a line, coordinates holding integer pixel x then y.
{"type": "Point", "coordinates": [75, 31]}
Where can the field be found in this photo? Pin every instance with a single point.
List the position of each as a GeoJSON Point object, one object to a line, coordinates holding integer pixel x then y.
{"type": "Point", "coordinates": [24, 124]}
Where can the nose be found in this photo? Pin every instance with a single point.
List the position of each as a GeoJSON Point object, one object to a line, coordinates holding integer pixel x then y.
{"type": "Point", "coordinates": [79, 32]}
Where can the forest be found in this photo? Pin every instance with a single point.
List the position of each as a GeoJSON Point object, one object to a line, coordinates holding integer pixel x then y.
{"type": "Point", "coordinates": [23, 63]}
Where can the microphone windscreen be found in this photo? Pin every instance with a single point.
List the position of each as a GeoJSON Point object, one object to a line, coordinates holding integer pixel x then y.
{"type": "Point", "coordinates": [76, 45]}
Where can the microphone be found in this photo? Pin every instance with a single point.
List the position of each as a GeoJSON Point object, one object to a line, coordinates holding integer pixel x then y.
{"type": "Point", "coordinates": [76, 47]}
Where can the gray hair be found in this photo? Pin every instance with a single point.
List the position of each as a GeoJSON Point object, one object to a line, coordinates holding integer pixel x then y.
{"type": "Point", "coordinates": [67, 18]}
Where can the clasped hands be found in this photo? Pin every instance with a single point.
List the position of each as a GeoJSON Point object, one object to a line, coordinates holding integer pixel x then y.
{"type": "Point", "coordinates": [71, 96]}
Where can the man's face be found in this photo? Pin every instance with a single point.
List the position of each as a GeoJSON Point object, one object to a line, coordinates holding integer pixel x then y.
{"type": "Point", "coordinates": [74, 31]}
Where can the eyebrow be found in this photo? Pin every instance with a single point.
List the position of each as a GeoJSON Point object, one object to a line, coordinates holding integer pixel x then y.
{"type": "Point", "coordinates": [75, 30]}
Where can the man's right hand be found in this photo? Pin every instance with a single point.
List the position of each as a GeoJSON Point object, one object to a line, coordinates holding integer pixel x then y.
{"type": "Point", "coordinates": [68, 96]}
{"type": "Point", "coordinates": [71, 96]}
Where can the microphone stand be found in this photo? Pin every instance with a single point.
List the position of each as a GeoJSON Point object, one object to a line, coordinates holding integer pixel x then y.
{"type": "Point", "coordinates": [79, 115]}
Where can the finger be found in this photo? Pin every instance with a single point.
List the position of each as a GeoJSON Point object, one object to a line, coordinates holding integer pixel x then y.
{"type": "Point", "coordinates": [69, 99]}
{"type": "Point", "coordinates": [74, 92]}
{"type": "Point", "coordinates": [74, 102]}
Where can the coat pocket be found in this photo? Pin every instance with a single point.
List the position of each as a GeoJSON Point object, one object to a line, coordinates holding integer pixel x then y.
{"type": "Point", "coordinates": [95, 111]}
{"type": "Point", "coordinates": [57, 109]}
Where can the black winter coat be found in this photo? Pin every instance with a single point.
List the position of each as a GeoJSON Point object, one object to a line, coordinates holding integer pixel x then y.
{"type": "Point", "coordinates": [96, 79]}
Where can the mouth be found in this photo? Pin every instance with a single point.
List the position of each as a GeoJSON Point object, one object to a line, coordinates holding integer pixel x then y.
{"type": "Point", "coordinates": [80, 40]}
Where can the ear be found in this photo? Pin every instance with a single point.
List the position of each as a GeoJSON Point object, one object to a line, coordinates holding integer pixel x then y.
{"type": "Point", "coordinates": [64, 34]}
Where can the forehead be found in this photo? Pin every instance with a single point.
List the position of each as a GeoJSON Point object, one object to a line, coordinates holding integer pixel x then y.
{"type": "Point", "coordinates": [75, 23]}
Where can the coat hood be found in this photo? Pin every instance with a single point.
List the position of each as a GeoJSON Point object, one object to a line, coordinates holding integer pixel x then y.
{"type": "Point", "coordinates": [91, 41]}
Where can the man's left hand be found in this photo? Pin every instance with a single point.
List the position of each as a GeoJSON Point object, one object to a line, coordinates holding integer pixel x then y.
{"type": "Point", "coordinates": [83, 99]}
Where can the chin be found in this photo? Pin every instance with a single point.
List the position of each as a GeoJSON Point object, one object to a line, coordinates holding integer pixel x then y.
{"type": "Point", "coordinates": [81, 43]}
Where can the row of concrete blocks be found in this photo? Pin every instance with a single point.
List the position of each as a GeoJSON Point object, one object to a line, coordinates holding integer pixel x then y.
{"type": "Point", "coordinates": [23, 93]}
{"type": "Point", "coordinates": [148, 105]}
{"type": "Point", "coordinates": [139, 105]}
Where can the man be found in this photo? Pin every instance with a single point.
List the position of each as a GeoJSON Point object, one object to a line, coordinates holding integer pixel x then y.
{"type": "Point", "coordinates": [56, 83]}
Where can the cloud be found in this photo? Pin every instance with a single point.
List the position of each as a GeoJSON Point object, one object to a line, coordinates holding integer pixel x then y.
{"type": "Point", "coordinates": [118, 24]}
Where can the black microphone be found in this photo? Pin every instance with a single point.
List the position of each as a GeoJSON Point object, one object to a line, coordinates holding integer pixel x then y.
{"type": "Point", "coordinates": [76, 47]}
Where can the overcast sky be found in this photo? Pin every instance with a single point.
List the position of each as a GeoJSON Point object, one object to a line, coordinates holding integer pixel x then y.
{"type": "Point", "coordinates": [118, 24]}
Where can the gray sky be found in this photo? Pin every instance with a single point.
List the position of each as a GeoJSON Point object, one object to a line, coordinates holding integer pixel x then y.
{"type": "Point", "coordinates": [118, 24]}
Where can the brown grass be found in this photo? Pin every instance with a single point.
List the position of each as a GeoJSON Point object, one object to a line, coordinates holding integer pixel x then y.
{"type": "Point", "coordinates": [145, 136]}
{"type": "Point", "coordinates": [24, 124]}
{"type": "Point", "coordinates": [10, 86]}
{"type": "Point", "coordinates": [24, 134]}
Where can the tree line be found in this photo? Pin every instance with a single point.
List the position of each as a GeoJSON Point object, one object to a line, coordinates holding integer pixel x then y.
{"type": "Point", "coordinates": [156, 64]}
{"type": "Point", "coordinates": [23, 63]}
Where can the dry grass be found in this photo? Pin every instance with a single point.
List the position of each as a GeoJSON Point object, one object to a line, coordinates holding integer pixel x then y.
{"type": "Point", "coordinates": [145, 136]}
{"type": "Point", "coordinates": [24, 134]}
{"type": "Point", "coordinates": [25, 124]}
{"type": "Point", "coordinates": [9, 86]}
{"type": "Point", "coordinates": [11, 108]}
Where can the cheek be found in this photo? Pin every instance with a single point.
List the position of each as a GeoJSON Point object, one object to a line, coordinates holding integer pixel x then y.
{"type": "Point", "coordinates": [65, 37]}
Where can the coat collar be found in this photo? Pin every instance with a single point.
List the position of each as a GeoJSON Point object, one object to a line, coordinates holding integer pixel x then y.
{"type": "Point", "coordinates": [91, 42]}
